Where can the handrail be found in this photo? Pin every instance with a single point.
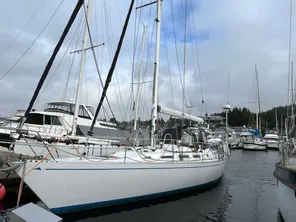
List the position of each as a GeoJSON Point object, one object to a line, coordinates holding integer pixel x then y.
{"type": "Point", "coordinates": [168, 137]}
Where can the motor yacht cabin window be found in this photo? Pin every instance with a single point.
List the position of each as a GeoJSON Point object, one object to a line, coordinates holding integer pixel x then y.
{"type": "Point", "coordinates": [68, 108]}
{"type": "Point", "coordinates": [40, 119]}
{"type": "Point", "coordinates": [60, 107]}
{"type": "Point", "coordinates": [35, 118]}
{"type": "Point", "coordinates": [52, 120]}
{"type": "Point", "coordinates": [83, 113]}
{"type": "Point", "coordinates": [272, 139]}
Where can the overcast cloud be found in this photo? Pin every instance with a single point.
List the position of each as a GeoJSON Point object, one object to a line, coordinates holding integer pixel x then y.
{"type": "Point", "coordinates": [231, 37]}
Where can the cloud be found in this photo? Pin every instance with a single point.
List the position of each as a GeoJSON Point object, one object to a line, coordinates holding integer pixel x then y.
{"type": "Point", "coordinates": [230, 37]}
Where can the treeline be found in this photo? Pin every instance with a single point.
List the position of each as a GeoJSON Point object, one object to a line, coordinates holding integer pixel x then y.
{"type": "Point", "coordinates": [243, 116]}
{"type": "Point", "coordinates": [143, 124]}
{"type": "Point", "coordinates": [236, 117]}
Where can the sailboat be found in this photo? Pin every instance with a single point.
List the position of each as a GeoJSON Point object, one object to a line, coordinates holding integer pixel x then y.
{"type": "Point", "coordinates": [169, 165]}
{"type": "Point", "coordinates": [285, 169]}
{"type": "Point", "coordinates": [254, 140]}
{"type": "Point", "coordinates": [285, 173]}
{"type": "Point", "coordinates": [272, 136]}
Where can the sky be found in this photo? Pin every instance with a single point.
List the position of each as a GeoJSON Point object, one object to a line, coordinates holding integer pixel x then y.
{"type": "Point", "coordinates": [224, 38]}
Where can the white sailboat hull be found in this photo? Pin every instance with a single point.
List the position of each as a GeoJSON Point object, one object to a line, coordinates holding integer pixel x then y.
{"type": "Point", "coordinates": [272, 145]}
{"type": "Point", "coordinates": [286, 201]}
{"type": "Point", "coordinates": [254, 146]}
{"type": "Point", "coordinates": [66, 187]}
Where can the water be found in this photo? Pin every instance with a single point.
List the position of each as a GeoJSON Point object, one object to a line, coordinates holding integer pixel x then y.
{"type": "Point", "coordinates": [245, 193]}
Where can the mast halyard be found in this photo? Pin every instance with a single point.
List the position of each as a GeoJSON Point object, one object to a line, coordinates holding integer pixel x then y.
{"type": "Point", "coordinates": [111, 70]}
{"type": "Point", "coordinates": [184, 103]}
{"type": "Point", "coordinates": [276, 122]}
{"type": "Point", "coordinates": [81, 72]}
{"type": "Point", "coordinates": [140, 78]}
{"type": "Point", "coordinates": [156, 70]}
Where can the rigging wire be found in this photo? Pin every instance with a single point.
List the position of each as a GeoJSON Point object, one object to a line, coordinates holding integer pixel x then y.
{"type": "Point", "coordinates": [195, 72]}
{"type": "Point", "coordinates": [110, 73]}
{"type": "Point", "coordinates": [177, 55]}
{"type": "Point", "coordinates": [169, 68]}
{"type": "Point", "coordinates": [97, 37]}
{"type": "Point", "coordinates": [71, 62]}
{"type": "Point", "coordinates": [20, 58]}
{"type": "Point", "coordinates": [116, 82]}
{"type": "Point", "coordinates": [126, 43]}
{"type": "Point", "coordinates": [120, 21]}
{"type": "Point", "coordinates": [198, 62]}
{"type": "Point", "coordinates": [149, 61]}
{"type": "Point", "coordinates": [22, 30]}
{"type": "Point", "coordinates": [184, 102]}
{"type": "Point", "coordinates": [49, 64]}
{"type": "Point", "coordinates": [77, 44]}
{"type": "Point", "coordinates": [136, 35]}
{"type": "Point", "coordinates": [72, 58]}
{"type": "Point", "coordinates": [63, 56]}
{"type": "Point", "coordinates": [143, 89]}
{"type": "Point", "coordinates": [95, 58]}
{"type": "Point", "coordinates": [110, 47]}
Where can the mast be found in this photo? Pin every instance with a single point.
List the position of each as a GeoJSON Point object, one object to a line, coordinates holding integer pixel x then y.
{"type": "Point", "coordinates": [292, 90]}
{"type": "Point", "coordinates": [290, 30]}
{"type": "Point", "coordinates": [140, 78]}
{"type": "Point", "coordinates": [81, 72]}
{"type": "Point", "coordinates": [156, 69]}
{"type": "Point", "coordinates": [276, 122]}
{"type": "Point", "coordinates": [258, 101]}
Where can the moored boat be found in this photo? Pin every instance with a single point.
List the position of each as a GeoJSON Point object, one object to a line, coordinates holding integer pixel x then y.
{"type": "Point", "coordinates": [176, 163]}
{"type": "Point", "coordinates": [272, 141]}
{"type": "Point", "coordinates": [285, 175]}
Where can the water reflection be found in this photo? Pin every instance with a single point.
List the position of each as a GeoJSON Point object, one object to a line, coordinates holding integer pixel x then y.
{"type": "Point", "coordinates": [192, 206]}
